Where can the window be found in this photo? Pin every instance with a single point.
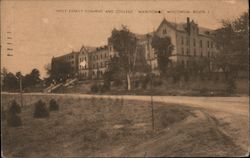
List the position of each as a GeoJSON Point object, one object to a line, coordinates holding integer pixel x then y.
{"type": "Point", "coordinates": [208, 54]}
{"type": "Point", "coordinates": [201, 43]}
{"type": "Point", "coordinates": [194, 42]}
{"type": "Point", "coordinates": [201, 54]}
{"type": "Point", "coordinates": [208, 44]}
{"type": "Point", "coordinates": [164, 31]}
{"type": "Point", "coordinates": [187, 51]}
{"type": "Point", "coordinates": [97, 57]}
{"type": "Point", "coordinates": [187, 41]}
{"type": "Point", "coordinates": [212, 44]}
{"type": "Point", "coordinates": [182, 40]}
{"type": "Point", "coordinates": [182, 51]}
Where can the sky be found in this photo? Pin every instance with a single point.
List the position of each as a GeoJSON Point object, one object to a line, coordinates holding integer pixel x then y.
{"type": "Point", "coordinates": [40, 30]}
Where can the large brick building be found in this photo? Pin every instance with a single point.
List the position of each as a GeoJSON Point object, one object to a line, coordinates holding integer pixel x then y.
{"type": "Point", "coordinates": [191, 43]}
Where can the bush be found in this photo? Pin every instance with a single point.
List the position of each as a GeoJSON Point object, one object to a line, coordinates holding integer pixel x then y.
{"type": "Point", "coordinates": [53, 106]}
{"type": "Point", "coordinates": [41, 110]}
{"type": "Point", "coordinates": [14, 120]}
{"type": "Point", "coordinates": [94, 88]}
{"type": "Point", "coordinates": [14, 108]}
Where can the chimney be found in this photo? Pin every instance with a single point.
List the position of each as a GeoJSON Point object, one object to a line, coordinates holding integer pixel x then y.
{"type": "Point", "coordinates": [188, 25]}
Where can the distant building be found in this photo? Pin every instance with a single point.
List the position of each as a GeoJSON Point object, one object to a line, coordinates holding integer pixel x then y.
{"type": "Point", "coordinates": [191, 43]}
{"type": "Point", "coordinates": [71, 58]}
{"type": "Point", "coordinates": [93, 62]}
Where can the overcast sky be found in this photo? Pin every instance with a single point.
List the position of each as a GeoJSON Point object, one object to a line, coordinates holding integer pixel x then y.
{"type": "Point", "coordinates": [41, 29]}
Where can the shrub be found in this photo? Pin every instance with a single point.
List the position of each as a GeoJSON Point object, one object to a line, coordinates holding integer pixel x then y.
{"type": "Point", "coordinates": [53, 106]}
{"type": "Point", "coordinates": [41, 110]}
{"type": "Point", "coordinates": [14, 120]}
{"type": "Point", "coordinates": [14, 108]}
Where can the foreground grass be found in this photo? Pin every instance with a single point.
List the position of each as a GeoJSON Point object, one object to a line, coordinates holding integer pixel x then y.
{"type": "Point", "coordinates": [105, 127]}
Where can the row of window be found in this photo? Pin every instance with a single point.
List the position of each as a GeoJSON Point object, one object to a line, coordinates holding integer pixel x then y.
{"type": "Point", "coordinates": [83, 67]}
{"type": "Point", "coordinates": [194, 53]}
{"type": "Point", "coordinates": [69, 57]}
{"type": "Point", "coordinates": [100, 65]}
{"type": "Point", "coordinates": [209, 44]}
{"type": "Point", "coordinates": [96, 57]}
{"type": "Point", "coordinates": [81, 59]}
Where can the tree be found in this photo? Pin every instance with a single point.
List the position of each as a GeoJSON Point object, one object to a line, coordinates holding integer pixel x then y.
{"type": "Point", "coordinates": [114, 72]}
{"type": "Point", "coordinates": [124, 43]}
{"type": "Point", "coordinates": [60, 70]}
{"type": "Point", "coordinates": [140, 60]}
{"type": "Point", "coordinates": [176, 71]}
{"type": "Point", "coordinates": [163, 48]}
{"type": "Point", "coordinates": [35, 76]}
{"type": "Point", "coordinates": [232, 41]}
{"type": "Point", "coordinates": [10, 82]}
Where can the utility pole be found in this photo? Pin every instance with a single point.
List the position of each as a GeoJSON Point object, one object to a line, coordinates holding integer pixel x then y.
{"type": "Point", "coordinates": [151, 85]}
{"type": "Point", "coordinates": [21, 91]}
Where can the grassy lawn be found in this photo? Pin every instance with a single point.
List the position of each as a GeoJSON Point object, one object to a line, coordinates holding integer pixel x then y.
{"type": "Point", "coordinates": [84, 127]}
{"type": "Point", "coordinates": [112, 127]}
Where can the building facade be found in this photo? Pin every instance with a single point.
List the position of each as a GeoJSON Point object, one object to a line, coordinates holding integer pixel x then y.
{"type": "Point", "coordinates": [191, 43]}
{"type": "Point", "coordinates": [93, 63]}
{"type": "Point", "coordinates": [71, 58]}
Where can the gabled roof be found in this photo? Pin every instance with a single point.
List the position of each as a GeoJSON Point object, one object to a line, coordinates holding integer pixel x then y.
{"type": "Point", "coordinates": [182, 27]}
{"type": "Point", "coordinates": [170, 24]}
{"type": "Point", "coordinates": [87, 48]}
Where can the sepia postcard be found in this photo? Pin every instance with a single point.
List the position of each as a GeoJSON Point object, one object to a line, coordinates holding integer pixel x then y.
{"type": "Point", "coordinates": [116, 78]}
